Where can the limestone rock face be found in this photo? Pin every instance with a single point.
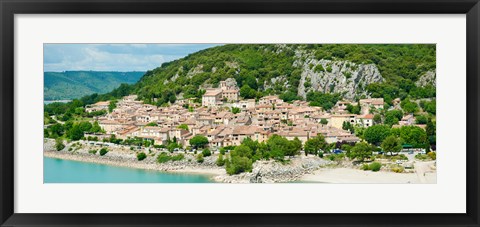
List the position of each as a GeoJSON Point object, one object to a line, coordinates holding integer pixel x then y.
{"type": "Point", "coordinates": [231, 82]}
{"type": "Point", "coordinates": [343, 77]}
{"type": "Point", "coordinates": [429, 78]}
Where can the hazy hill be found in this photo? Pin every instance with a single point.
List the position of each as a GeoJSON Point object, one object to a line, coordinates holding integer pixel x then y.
{"type": "Point", "coordinates": [76, 84]}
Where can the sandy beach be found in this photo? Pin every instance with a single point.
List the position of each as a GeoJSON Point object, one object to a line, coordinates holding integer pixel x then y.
{"type": "Point", "coordinates": [345, 175]}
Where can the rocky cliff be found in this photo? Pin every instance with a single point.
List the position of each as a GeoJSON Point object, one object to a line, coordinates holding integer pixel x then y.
{"type": "Point", "coordinates": [343, 77]}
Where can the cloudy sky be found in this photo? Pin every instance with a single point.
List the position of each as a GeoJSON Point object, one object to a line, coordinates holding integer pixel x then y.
{"type": "Point", "coordinates": [114, 57]}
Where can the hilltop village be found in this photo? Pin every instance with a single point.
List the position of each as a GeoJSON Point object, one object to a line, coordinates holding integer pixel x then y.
{"type": "Point", "coordinates": [265, 113]}
{"type": "Point", "coordinates": [226, 120]}
{"type": "Point", "coordinates": [249, 140]}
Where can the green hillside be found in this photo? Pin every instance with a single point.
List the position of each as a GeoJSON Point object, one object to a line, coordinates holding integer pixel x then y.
{"type": "Point", "coordinates": [253, 65]}
{"type": "Point", "coordinates": [76, 84]}
{"type": "Point", "coordinates": [256, 67]}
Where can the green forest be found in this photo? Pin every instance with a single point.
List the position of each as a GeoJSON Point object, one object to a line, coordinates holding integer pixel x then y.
{"type": "Point", "coordinates": [252, 64]}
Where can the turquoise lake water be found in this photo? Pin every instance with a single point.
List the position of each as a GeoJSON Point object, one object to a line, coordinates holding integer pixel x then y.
{"type": "Point", "coordinates": [66, 171]}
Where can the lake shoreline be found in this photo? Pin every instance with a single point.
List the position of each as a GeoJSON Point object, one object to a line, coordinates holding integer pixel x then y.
{"type": "Point", "coordinates": [310, 169]}
{"type": "Point", "coordinates": [210, 173]}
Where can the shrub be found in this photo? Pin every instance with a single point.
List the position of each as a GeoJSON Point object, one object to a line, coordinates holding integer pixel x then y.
{"type": "Point", "coordinates": [59, 144]}
{"type": "Point", "coordinates": [318, 68]}
{"type": "Point", "coordinates": [398, 169]}
{"type": "Point", "coordinates": [206, 152]}
{"type": "Point", "coordinates": [422, 157]}
{"type": "Point", "coordinates": [375, 166]}
{"type": "Point", "coordinates": [141, 156]}
{"type": "Point", "coordinates": [238, 165]}
{"type": "Point", "coordinates": [163, 157]}
{"type": "Point", "coordinates": [329, 69]}
{"type": "Point", "coordinates": [200, 158]}
{"type": "Point", "coordinates": [432, 155]}
{"type": "Point", "coordinates": [222, 150]}
{"type": "Point", "coordinates": [336, 157]}
{"type": "Point", "coordinates": [348, 75]}
{"type": "Point", "coordinates": [399, 157]}
{"type": "Point", "coordinates": [103, 151]}
{"type": "Point", "coordinates": [199, 141]}
{"type": "Point", "coordinates": [92, 151]}
{"type": "Point", "coordinates": [220, 161]}
{"type": "Point", "coordinates": [364, 167]}
{"type": "Point", "coordinates": [177, 157]}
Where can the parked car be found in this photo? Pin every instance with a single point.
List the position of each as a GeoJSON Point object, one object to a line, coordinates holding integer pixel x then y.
{"type": "Point", "coordinates": [337, 151]}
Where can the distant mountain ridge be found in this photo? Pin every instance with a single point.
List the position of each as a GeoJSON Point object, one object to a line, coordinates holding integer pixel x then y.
{"type": "Point", "coordinates": [76, 84]}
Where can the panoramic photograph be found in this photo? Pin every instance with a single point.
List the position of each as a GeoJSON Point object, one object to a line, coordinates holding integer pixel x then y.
{"type": "Point", "coordinates": [240, 113]}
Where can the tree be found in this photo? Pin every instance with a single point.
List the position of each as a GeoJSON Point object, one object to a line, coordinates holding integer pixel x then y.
{"type": "Point", "coordinates": [421, 119]}
{"type": "Point", "coordinates": [393, 116]}
{"type": "Point", "coordinates": [348, 126]}
{"type": "Point", "coordinates": [57, 129]}
{"type": "Point", "coordinates": [220, 160]}
{"type": "Point", "coordinates": [199, 141]}
{"type": "Point", "coordinates": [242, 151]}
{"type": "Point", "coordinates": [431, 133]}
{"type": "Point", "coordinates": [361, 151]}
{"type": "Point", "coordinates": [200, 158]}
{"type": "Point", "coordinates": [152, 124]}
{"type": "Point", "coordinates": [353, 109]}
{"type": "Point", "coordinates": [240, 161]}
{"type": "Point", "coordinates": [392, 144]}
{"type": "Point", "coordinates": [413, 135]}
{"type": "Point", "coordinates": [235, 110]}
{"type": "Point", "coordinates": [85, 126]}
{"type": "Point", "coordinates": [323, 121]}
{"type": "Point", "coordinates": [141, 156]}
{"type": "Point", "coordinates": [297, 144]}
{"type": "Point", "coordinates": [408, 106]}
{"type": "Point", "coordinates": [429, 107]}
{"type": "Point", "coordinates": [103, 151]}
{"type": "Point", "coordinates": [171, 146]}
{"type": "Point", "coordinates": [279, 147]}
{"type": "Point", "coordinates": [112, 105]}
{"type": "Point", "coordinates": [315, 144]}
{"type": "Point", "coordinates": [238, 165]}
{"type": "Point", "coordinates": [376, 134]}
{"type": "Point", "coordinates": [247, 92]}
{"type": "Point", "coordinates": [95, 127]}
{"type": "Point", "coordinates": [183, 126]}
{"type": "Point", "coordinates": [75, 133]}
{"type": "Point", "coordinates": [377, 119]}
{"type": "Point", "coordinates": [289, 96]}
{"type": "Point", "coordinates": [59, 144]}
{"type": "Point", "coordinates": [324, 100]}
{"type": "Point", "coordinates": [206, 152]}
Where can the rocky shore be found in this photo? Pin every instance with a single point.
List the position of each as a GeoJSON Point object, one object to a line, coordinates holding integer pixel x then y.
{"type": "Point", "coordinates": [297, 169]}
{"type": "Point", "coordinates": [276, 172]}
{"type": "Point", "coordinates": [124, 157]}
{"type": "Point", "coordinates": [263, 171]}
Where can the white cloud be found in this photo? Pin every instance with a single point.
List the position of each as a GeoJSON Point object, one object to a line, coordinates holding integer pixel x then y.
{"type": "Point", "coordinates": [114, 57]}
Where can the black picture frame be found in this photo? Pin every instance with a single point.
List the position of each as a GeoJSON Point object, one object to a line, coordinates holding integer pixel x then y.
{"type": "Point", "coordinates": [9, 8]}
